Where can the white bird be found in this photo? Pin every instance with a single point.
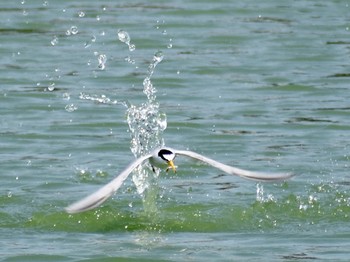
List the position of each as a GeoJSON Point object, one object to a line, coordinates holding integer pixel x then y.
{"type": "Point", "coordinates": [164, 157]}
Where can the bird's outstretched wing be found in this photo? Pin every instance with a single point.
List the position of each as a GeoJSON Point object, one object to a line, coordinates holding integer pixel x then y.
{"type": "Point", "coordinates": [101, 195]}
{"type": "Point", "coordinates": [258, 176]}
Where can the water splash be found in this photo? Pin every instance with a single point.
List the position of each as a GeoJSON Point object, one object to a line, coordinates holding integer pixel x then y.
{"type": "Point", "coordinates": [146, 122]}
{"type": "Point", "coordinates": [103, 99]}
{"type": "Point", "coordinates": [146, 125]}
{"type": "Point", "coordinates": [260, 195]}
{"type": "Point", "coordinates": [157, 58]}
{"type": "Point", "coordinates": [148, 89]}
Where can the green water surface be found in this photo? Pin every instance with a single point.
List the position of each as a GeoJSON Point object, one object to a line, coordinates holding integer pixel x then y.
{"type": "Point", "coordinates": [262, 85]}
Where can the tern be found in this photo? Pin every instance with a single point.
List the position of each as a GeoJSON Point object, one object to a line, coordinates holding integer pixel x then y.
{"type": "Point", "coordinates": [164, 158]}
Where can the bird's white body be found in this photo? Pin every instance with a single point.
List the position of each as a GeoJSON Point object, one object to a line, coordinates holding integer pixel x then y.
{"type": "Point", "coordinates": [163, 157]}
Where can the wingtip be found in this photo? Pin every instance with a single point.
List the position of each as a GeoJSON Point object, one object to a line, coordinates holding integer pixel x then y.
{"type": "Point", "coordinates": [283, 176]}
{"type": "Point", "coordinates": [269, 177]}
{"type": "Point", "coordinates": [71, 210]}
{"type": "Point", "coordinates": [75, 210]}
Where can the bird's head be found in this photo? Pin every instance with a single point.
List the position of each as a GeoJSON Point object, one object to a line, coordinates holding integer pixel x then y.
{"type": "Point", "coordinates": [168, 156]}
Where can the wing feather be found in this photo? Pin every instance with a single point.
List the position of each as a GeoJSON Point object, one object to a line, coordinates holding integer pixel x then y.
{"type": "Point", "coordinates": [258, 176]}
{"type": "Point", "coordinates": [105, 192]}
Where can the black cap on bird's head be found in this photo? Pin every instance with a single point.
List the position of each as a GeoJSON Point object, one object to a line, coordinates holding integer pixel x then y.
{"type": "Point", "coordinates": [168, 156]}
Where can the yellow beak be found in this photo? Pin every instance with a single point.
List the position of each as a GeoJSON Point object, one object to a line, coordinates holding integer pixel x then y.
{"type": "Point", "coordinates": [171, 165]}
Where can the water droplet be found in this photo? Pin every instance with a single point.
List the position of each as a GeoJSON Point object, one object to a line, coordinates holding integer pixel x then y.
{"type": "Point", "coordinates": [74, 30]}
{"type": "Point", "coordinates": [123, 36]}
{"type": "Point", "coordinates": [158, 57]}
{"type": "Point", "coordinates": [9, 194]}
{"type": "Point", "coordinates": [162, 121]}
{"type": "Point", "coordinates": [66, 96]}
{"type": "Point", "coordinates": [129, 60]}
{"type": "Point", "coordinates": [54, 40]}
{"type": "Point", "coordinates": [132, 47]}
{"type": "Point", "coordinates": [170, 44]}
{"type": "Point", "coordinates": [81, 14]}
{"type": "Point", "coordinates": [70, 108]}
{"type": "Point", "coordinates": [102, 59]}
{"type": "Point", "coordinates": [51, 87]}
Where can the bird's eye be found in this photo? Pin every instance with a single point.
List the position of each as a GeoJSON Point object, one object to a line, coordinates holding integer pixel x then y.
{"type": "Point", "coordinates": [163, 153]}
